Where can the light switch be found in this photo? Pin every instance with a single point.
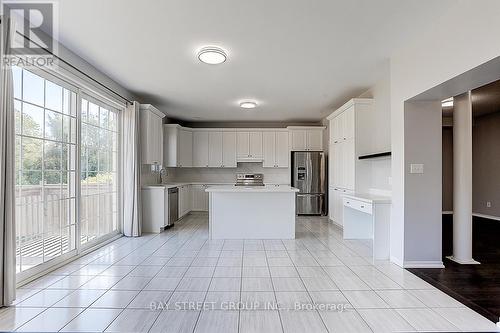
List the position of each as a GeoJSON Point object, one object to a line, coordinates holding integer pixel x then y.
{"type": "Point", "coordinates": [416, 168]}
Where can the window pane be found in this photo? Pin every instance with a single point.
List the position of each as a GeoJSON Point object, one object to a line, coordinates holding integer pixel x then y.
{"type": "Point", "coordinates": [53, 125]}
{"type": "Point", "coordinates": [31, 155]}
{"type": "Point", "coordinates": [66, 128]}
{"type": "Point", "coordinates": [93, 116]}
{"type": "Point", "coordinates": [53, 156]}
{"type": "Point", "coordinates": [53, 96]}
{"type": "Point", "coordinates": [103, 118]}
{"type": "Point", "coordinates": [67, 102]}
{"type": "Point", "coordinates": [33, 88]}
{"type": "Point", "coordinates": [32, 120]}
{"type": "Point", "coordinates": [84, 110]}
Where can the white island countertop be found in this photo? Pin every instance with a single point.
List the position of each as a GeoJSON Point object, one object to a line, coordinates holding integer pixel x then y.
{"type": "Point", "coordinates": [252, 189]}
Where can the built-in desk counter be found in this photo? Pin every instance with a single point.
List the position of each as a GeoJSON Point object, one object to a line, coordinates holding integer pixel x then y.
{"type": "Point", "coordinates": [258, 212]}
{"type": "Point", "coordinates": [367, 216]}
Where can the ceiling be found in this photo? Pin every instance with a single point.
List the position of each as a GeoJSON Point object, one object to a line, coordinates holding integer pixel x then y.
{"type": "Point", "coordinates": [298, 59]}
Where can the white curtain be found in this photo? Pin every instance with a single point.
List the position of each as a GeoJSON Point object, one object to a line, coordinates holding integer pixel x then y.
{"type": "Point", "coordinates": [131, 182]}
{"type": "Point", "coordinates": [7, 178]}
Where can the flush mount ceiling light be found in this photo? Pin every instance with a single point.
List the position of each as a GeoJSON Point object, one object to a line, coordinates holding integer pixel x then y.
{"type": "Point", "coordinates": [447, 102]}
{"type": "Point", "coordinates": [212, 55]}
{"type": "Point", "coordinates": [248, 105]}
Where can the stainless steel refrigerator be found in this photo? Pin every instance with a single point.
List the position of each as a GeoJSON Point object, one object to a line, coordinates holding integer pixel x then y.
{"type": "Point", "coordinates": [309, 176]}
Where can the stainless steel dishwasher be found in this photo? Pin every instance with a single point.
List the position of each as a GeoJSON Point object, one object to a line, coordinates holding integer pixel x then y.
{"type": "Point", "coordinates": [173, 206]}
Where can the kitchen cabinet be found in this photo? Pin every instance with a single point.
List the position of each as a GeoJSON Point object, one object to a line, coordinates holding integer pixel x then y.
{"type": "Point", "coordinates": [215, 149]}
{"type": "Point", "coordinates": [275, 149]}
{"type": "Point", "coordinates": [151, 134]}
{"type": "Point", "coordinates": [199, 198]}
{"type": "Point", "coordinates": [335, 204]}
{"type": "Point", "coordinates": [178, 146]}
{"type": "Point", "coordinates": [348, 127]}
{"type": "Point", "coordinates": [200, 149]}
{"type": "Point", "coordinates": [306, 138]}
{"type": "Point", "coordinates": [154, 209]}
{"type": "Point", "coordinates": [229, 150]}
{"type": "Point", "coordinates": [184, 200]}
{"type": "Point", "coordinates": [249, 146]}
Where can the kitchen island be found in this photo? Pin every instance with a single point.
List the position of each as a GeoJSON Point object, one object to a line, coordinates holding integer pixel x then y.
{"type": "Point", "coordinates": [256, 212]}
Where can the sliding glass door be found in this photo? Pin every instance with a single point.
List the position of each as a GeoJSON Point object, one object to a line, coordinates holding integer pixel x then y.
{"type": "Point", "coordinates": [66, 158]}
{"type": "Point", "coordinates": [99, 170]}
{"type": "Point", "coordinates": [46, 142]}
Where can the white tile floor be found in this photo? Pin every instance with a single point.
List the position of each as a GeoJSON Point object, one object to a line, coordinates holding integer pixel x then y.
{"type": "Point", "coordinates": [315, 283]}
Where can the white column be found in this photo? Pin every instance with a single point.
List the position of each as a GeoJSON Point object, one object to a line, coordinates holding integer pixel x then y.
{"type": "Point", "coordinates": [462, 179]}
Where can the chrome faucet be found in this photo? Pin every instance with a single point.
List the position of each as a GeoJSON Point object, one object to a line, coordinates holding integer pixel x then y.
{"type": "Point", "coordinates": [162, 173]}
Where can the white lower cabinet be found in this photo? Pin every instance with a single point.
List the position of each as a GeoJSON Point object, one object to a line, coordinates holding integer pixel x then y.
{"type": "Point", "coordinates": [184, 200]}
{"type": "Point", "coordinates": [335, 204]}
{"type": "Point", "coordinates": [199, 198]}
{"type": "Point", "coordinates": [154, 209]}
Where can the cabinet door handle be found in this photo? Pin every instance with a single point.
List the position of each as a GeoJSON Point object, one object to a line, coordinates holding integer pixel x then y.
{"type": "Point", "coordinates": [362, 206]}
{"type": "Point", "coordinates": [347, 202]}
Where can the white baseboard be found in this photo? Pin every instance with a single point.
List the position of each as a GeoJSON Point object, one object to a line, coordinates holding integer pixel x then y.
{"type": "Point", "coordinates": [490, 217]}
{"type": "Point", "coordinates": [336, 224]}
{"type": "Point", "coordinates": [423, 264]}
{"type": "Point", "coordinates": [464, 262]}
{"type": "Point", "coordinates": [396, 261]}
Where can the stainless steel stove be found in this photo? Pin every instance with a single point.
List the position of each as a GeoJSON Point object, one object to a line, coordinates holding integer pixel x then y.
{"type": "Point", "coordinates": [249, 179]}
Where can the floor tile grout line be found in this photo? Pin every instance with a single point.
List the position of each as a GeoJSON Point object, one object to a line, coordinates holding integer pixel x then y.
{"type": "Point", "coordinates": [180, 247]}
{"type": "Point", "coordinates": [206, 293]}
{"type": "Point", "coordinates": [365, 283]}
{"type": "Point", "coordinates": [307, 290]}
{"type": "Point", "coordinates": [366, 323]}
{"type": "Point", "coordinates": [275, 297]}
{"type": "Point", "coordinates": [123, 309]}
{"type": "Point", "coordinates": [110, 288]}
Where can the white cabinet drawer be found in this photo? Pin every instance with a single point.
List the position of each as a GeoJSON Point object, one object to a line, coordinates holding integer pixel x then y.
{"type": "Point", "coordinates": [358, 205]}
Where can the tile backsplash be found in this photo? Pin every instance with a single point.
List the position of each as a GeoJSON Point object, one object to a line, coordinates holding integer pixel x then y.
{"type": "Point", "coordinates": [217, 175]}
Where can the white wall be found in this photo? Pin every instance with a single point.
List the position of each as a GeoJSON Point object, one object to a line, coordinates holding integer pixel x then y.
{"type": "Point", "coordinates": [380, 169]}
{"type": "Point", "coordinates": [463, 38]}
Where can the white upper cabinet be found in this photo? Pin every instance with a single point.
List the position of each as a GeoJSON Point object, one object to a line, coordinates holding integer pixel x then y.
{"type": "Point", "coordinates": [186, 148]}
{"type": "Point", "coordinates": [299, 139]}
{"type": "Point", "coordinates": [314, 140]}
{"type": "Point", "coordinates": [178, 146]}
{"type": "Point", "coordinates": [200, 149]}
{"type": "Point", "coordinates": [229, 149]}
{"type": "Point", "coordinates": [249, 146]}
{"type": "Point", "coordinates": [275, 149]}
{"type": "Point", "coordinates": [151, 134]}
{"type": "Point", "coordinates": [215, 149]}
{"type": "Point", "coordinates": [306, 138]}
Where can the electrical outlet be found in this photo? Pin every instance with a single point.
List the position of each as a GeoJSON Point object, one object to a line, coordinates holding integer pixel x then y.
{"type": "Point", "coordinates": [488, 204]}
{"type": "Point", "coordinates": [416, 168]}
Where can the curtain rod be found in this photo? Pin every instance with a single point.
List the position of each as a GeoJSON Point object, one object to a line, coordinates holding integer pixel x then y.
{"type": "Point", "coordinates": [78, 70]}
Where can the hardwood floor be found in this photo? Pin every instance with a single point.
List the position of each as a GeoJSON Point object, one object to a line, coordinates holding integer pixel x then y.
{"type": "Point", "coordinates": [477, 286]}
